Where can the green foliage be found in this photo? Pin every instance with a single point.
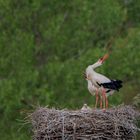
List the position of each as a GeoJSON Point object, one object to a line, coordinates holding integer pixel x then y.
{"type": "Point", "coordinates": [45, 47]}
{"type": "Point", "coordinates": [136, 100]}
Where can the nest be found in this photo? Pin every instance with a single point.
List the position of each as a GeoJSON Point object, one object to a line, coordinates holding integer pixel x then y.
{"type": "Point", "coordinates": [116, 123]}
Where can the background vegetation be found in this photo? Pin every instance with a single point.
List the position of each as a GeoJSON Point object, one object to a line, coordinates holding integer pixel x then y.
{"type": "Point", "coordinates": [46, 45]}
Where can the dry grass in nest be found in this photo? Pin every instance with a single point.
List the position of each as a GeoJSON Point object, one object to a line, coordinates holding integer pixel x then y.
{"type": "Point", "coordinates": [113, 124]}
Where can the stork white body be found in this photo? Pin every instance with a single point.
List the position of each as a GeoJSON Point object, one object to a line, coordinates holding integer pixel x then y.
{"type": "Point", "coordinates": [96, 78]}
{"type": "Point", "coordinates": [92, 89]}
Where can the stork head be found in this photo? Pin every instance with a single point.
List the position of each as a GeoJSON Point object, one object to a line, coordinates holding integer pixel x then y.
{"type": "Point", "coordinates": [102, 59]}
{"type": "Point", "coordinates": [87, 77]}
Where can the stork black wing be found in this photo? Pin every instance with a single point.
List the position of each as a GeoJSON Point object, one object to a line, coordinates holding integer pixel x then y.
{"type": "Point", "coordinates": [113, 85]}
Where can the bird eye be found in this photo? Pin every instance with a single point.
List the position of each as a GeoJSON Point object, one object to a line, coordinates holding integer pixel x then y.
{"type": "Point", "coordinates": [101, 58]}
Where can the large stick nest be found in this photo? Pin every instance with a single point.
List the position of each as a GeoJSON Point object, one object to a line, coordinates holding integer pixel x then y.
{"type": "Point", "coordinates": [117, 123]}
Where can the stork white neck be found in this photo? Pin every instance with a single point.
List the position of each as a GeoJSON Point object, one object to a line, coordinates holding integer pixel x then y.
{"type": "Point", "coordinates": [90, 69]}
{"type": "Point", "coordinates": [97, 64]}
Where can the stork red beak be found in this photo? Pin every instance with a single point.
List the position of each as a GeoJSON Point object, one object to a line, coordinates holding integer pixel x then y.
{"type": "Point", "coordinates": [104, 58]}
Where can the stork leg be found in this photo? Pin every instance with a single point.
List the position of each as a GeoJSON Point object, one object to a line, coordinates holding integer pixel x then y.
{"type": "Point", "coordinates": [101, 102]}
{"type": "Point", "coordinates": [104, 99]}
{"type": "Point", "coordinates": [97, 98]}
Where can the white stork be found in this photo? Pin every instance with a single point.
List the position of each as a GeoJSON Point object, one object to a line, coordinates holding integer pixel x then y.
{"type": "Point", "coordinates": [100, 83]}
